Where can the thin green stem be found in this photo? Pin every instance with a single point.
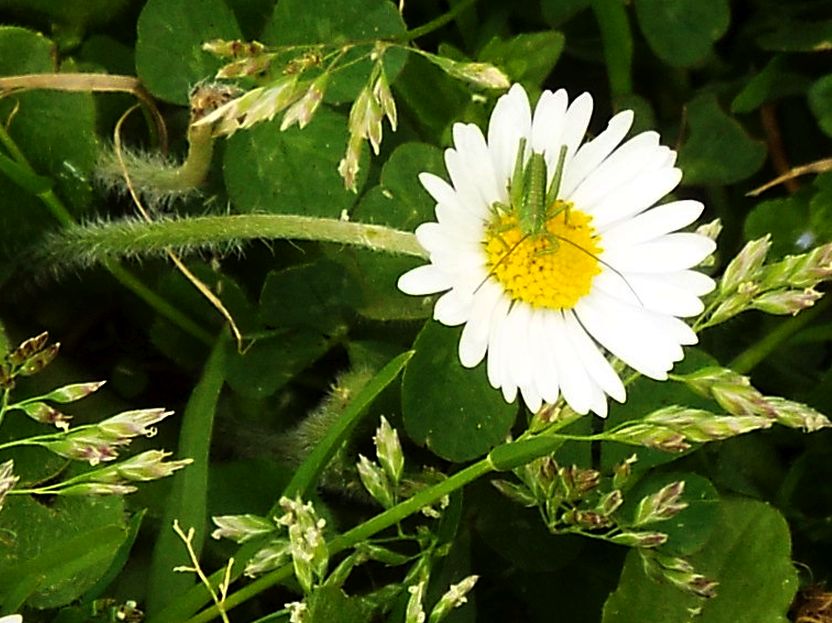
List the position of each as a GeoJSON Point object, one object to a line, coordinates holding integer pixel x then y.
{"type": "Point", "coordinates": [11, 146]}
{"type": "Point", "coordinates": [757, 352]}
{"type": "Point", "coordinates": [4, 403]}
{"type": "Point", "coordinates": [436, 23]}
{"type": "Point", "coordinates": [502, 458]}
{"type": "Point", "coordinates": [361, 532]}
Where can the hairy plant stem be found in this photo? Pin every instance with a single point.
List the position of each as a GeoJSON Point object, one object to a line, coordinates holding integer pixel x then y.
{"type": "Point", "coordinates": [104, 242]}
{"type": "Point", "coordinates": [121, 274]}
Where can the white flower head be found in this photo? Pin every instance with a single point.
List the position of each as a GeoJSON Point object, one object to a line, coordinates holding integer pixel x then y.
{"type": "Point", "coordinates": [546, 293]}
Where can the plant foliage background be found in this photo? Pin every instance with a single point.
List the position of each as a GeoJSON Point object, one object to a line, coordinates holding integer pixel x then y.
{"type": "Point", "coordinates": [742, 89]}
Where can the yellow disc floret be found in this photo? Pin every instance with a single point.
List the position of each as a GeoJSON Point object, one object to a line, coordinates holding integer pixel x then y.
{"type": "Point", "coordinates": [553, 268]}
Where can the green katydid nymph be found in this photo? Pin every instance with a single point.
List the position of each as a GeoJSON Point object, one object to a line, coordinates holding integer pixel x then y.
{"type": "Point", "coordinates": [540, 248]}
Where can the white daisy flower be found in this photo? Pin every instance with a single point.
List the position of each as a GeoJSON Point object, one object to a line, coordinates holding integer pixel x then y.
{"type": "Point", "coordinates": [601, 272]}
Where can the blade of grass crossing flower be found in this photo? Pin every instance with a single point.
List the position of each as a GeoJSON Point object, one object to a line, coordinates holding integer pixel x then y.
{"type": "Point", "coordinates": [187, 498]}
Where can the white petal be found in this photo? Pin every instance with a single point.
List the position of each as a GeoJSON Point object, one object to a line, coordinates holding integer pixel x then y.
{"type": "Point", "coordinates": [596, 365]}
{"type": "Point", "coordinates": [670, 252]}
{"type": "Point", "coordinates": [547, 124]}
{"type": "Point", "coordinates": [593, 153]}
{"type": "Point", "coordinates": [495, 345]}
{"type": "Point", "coordinates": [466, 186]}
{"type": "Point", "coordinates": [630, 334]}
{"type": "Point", "coordinates": [510, 120]}
{"type": "Point", "coordinates": [440, 190]}
{"type": "Point", "coordinates": [509, 392]}
{"type": "Point", "coordinates": [423, 280]}
{"type": "Point", "coordinates": [653, 223]}
{"type": "Point", "coordinates": [575, 124]}
{"type": "Point", "coordinates": [544, 370]}
{"type": "Point", "coordinates": [436, 238]}
{"type": "Point", "coordinates": [599, 404]}
{"type": "Point", "coordinates": [532, 399]}
{"type": "Point", "coordinates": [656, 293]}
{"type": "Point", "coordinates": [517, 337]}
{"type": "Point", "coordinates": [464, 224]}
{"type": "Point", "coordinates": [453, 308]}
{"type": "Point", "coordinates": [474, 341]}
{"type": "Point", "coordinates": [502, 361]}
{"type": "Point", "coordinates": [574, 382]}
{"type": "Point", "coordinates": [470, 145]}
{"type": "Point", "coordinates": [635, 197]}
{"type": "Point", "coordinates": [641, 153]}
{"type": "Point", "coordinates": [694, 281]}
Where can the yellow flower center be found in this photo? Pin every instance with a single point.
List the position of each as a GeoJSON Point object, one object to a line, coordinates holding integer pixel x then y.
{"type": "Point", "coordinates": [553, 268]}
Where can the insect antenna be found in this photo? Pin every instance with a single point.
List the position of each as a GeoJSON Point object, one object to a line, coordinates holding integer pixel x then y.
{"type": "Point", "coordinates": [499, 262]}
{"type": "Point", "coordinates": [607, 264]}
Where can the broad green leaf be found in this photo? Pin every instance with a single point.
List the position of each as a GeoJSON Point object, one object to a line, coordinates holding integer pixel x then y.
{"type": "Point", "coordinates": [690, 529]}
{"type": "Point", "coordinates": [329, 604]}
{"type": "Point", "coordinates": [69, 19]}
{"type": "Point", "coordinates": [450, 409]}
{"type": "Point", "coordinates": [645, 116]}
{"type": "Point", "coordinates": [749, 554]}
{"type": "Point", "coordinates": [820, 101]}
{"type": "Point", "coordinates": [435, 114]}
{"type": "Point", "coordinates": [555, 12]}
{"type": "Point", "coordinates": [332, 22]}
{"type": "Point", "coordinates": [120, 559]}
{"type": "Point", "coordinates": [681, 32]}
{"type": "Point", "coordinates": [251, 15]}
{"type": "Point", "coordinates": [291, 172]}
{"type": "Point", "coordinates": [518, 534]}
{"type": "Point", "coordinates": [773, 82]}
{"type": "Point", "coordinates": [645, 396]}
{"type": "Point", "coordinates": [313, 295]}
{"type": "Point", "coordinates": [54, 131]}
{"type": "Point", "coordinates": [109, 53]}
{"type": "Point", "coordinates": [399, 200]}
{"type": "Point", "coordinates": [269, 363]}
{"type": "Point", "coordinates": [718, 150]}
{"type": "Point", "coordinates": [169, 55]}
{"type": "Point", "coordinates": [797, 222]}
{"type": "Point", "coordinates": [186, 502]}
{"type": "Point", "coordinates": [527, 58]}
{"type": "Point", "coordinates": [798, 36]}
{"type": "Point", "coordinates": [52, 554]}
{"type": "Point", "coordinates": [245, 485]}
{"type": "Point", "coordinates": [786, 220]}
{"type": "Point", "coordinates": [749, 465]}
{"type": "Point", "coordinates": [24, 51]}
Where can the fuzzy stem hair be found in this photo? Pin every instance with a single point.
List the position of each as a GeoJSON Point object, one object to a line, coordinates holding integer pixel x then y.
{"type": "Point", "coordinates": [84, 246]}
